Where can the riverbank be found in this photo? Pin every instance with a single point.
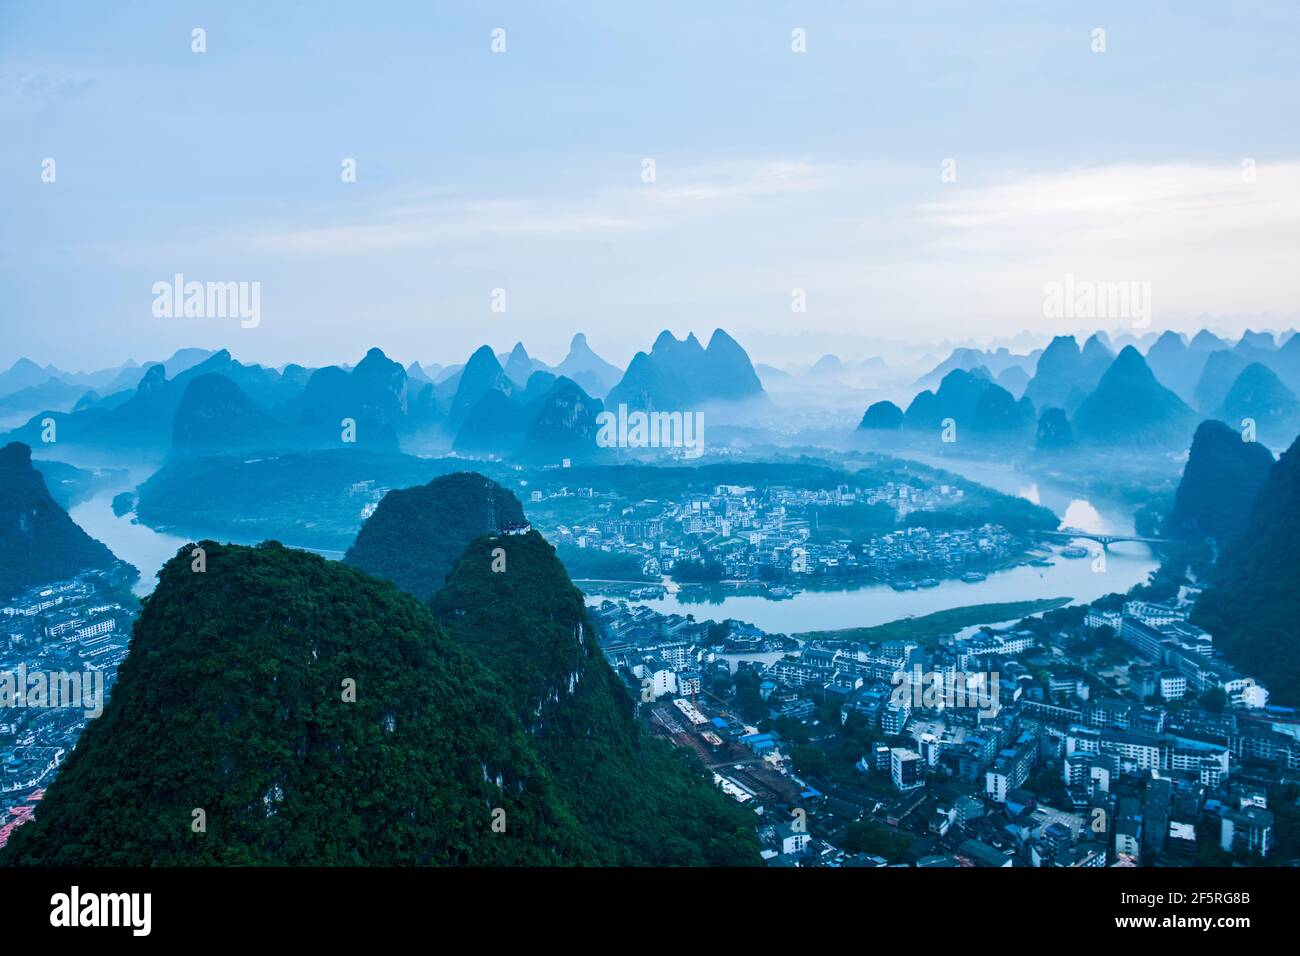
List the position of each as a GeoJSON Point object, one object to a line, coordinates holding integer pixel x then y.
{"type": "Point", "coordinates": [926, 627]}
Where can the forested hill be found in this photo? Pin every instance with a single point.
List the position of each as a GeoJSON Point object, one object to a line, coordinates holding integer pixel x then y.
{"type": "Point", "coordinates": [509, 601]}
{"type": "Point", "coordinates": [415, 534]}
{"type": "Point", "coordinates": [39, 543]}
{"type": "Point", "coordinates": [1219, 484]}
{"type": "Point", "coordinates": [234, 702]}
{"type": "Point", "coordinates": [1253, 604]}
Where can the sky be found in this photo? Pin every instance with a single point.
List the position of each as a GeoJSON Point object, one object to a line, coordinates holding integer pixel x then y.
{"type": "Point", "coordinates": [920, 172]}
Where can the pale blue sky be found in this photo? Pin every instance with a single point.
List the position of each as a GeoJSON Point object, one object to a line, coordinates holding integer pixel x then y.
{"type": "Point", "coordinates": [521, 170]}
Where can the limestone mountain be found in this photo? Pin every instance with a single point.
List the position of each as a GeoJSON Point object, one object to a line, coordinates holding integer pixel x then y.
{"type": "Point", "coordinates": [416, 534]}
{"type": "Point", "coordinates": [997, 361]}
{"type": "Point", "coordinates": [550, 420]}
{"type": "Point", "coordinates": [979, 407]}
{"type": "Point", "coordinates": [1253, 601]}
{"type": "Point", "coordinates": [481, 374]}
{"type": "Point", "coordinates": [562, 424]}
{"type": "Point", "coordinates": [519, 365]}
{"type": "Point", "coordinates": [509, 602]}
{"type": "Point", "coordinates": [881, 415]}
{"type": "Point", "coordinates": [1096, 351]}
{"type": "Point", "coordinates": [1054, 431]}
{"type": "Point", "coordinates": [1256, 347]}
{"type": "Point", "coordinates": [1207, 342]}
{"type": "Point", "coordinates": [1258, 395]}
{"type": "Point", "coordinates": [1176, 366]}
{"type": "Point", "coordinates": [39, 543]}
{"type": "Point", "coordinates": [1286, 363]}
{"type": "Point", "coordinates": [589, 370]}
{"type": "Point", "coordinates": [494, 425]}
{"type": "Point", "coordinates": [682, 375]}
{"type": "Point", "coordinates": [1222, 477]}
{"type": "Point", "coordinates": [25, 373]}
{"type": "Point", "coordinates": [1221, 370]}
{"type": "Point", "coordinates": [1064, 377]}
{"type": "Point", "coordinates": [1014, 379]}
{"type": "Point", "coordinates": [215, 415]}
{"type": "Point", "coordinates": [1130, 408]}
{"type": "Point", "coordinates": [142, 423]}
{"type": "Point", "coordinates": [376, 396]}
{"type": "Point", "coordinates": [828, 366]}
{"type": "Point", "coordinates": [307, 714]}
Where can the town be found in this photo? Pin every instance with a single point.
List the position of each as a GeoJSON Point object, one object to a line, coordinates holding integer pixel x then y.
{"type": "Point", "coordinates": [778, 539]}
{"type": "Point", "coordinates": [74, 627]}
{"type": "Point", "coordinates": [1113, 735]}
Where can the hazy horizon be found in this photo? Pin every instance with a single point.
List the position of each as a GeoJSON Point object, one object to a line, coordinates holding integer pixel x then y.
{"type": "Point", "coordinates": [918, 181]}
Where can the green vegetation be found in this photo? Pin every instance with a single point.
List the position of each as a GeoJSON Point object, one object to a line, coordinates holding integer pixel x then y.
{"type": "Point", "coordinates": [640, 802]}
{"type": "Point", "coordinates": [70, 485]}
{"type": "Point", "coordinates": [310, 499]}
{"type": "Point", "coordinates": [1219, 485]}
{"type": "Point", "coordinates": [38, 541]}
{"type": "Point", "coordinates": [856, 522]}
{"type": "Point", "coordinates": [233, 701]}
{"type": "Point", "coordinates": [416, 534]}
{"type": "Point", "coordinates": [1253, 603]}
{"type": "Point", "coordinates": [867, 836]}
{"type": "Point", "coordinates": [987, 507]}
{"type": "Point", "coordinates": [929, 626]}
{"type": "Point", "coordinates": [592, 564]}
{"type": "Point", "coordinates": [698, 572]}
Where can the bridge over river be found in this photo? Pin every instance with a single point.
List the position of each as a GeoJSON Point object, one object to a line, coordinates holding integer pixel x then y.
{"type": "Point", "coordinates": [1105, 540]}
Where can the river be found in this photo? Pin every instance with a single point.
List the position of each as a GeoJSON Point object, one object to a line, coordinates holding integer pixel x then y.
{"type": "Point", "coordinates": [1083, 579]}
{"type": "Point", "coordinates": [139, 545]}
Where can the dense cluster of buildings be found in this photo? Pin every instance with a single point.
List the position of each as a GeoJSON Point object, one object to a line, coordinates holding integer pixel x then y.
{"type": "Point", "coordinates": [1181, 658]}
{"type": "Point", "coordinates": [60, 647]}
{"type": "Point", "coordinates": [672, 654]}
{"type": "Point", "coordinates": [1002, 747]}
{"type": "Point", "coordinates": [774, 534]}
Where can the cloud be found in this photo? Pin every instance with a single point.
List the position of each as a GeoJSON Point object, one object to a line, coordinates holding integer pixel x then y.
{"type": "Point", "coordinates": [1208, 239]}
{"type": "Point", "coordinates": [1136, 205]}
{"type": "Point", "coordinates": [606, 211]}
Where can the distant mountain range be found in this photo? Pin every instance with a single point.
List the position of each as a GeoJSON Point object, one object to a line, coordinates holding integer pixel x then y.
{"type": "Point", "coordinates": [1066, 374]}
{"type": "Point", "coordinates": [682, 375]}
{"type": "Point", "coordinates": [1088, 399]}
{"type": "Point", "coordinates": [513, 407]}
{"type": "Point", "coordinates": [202, 402]}
{"type": "Point", "coordinates": [997, 362]}
{"type": "Point", "coordinates": [1221, 369]}
{"type": "Point", "coordinates": [592, 373]}
{"type": "Point", "coordinates": [975, 404]}
{"type": "Point", "coordinates": [1177, 366]}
